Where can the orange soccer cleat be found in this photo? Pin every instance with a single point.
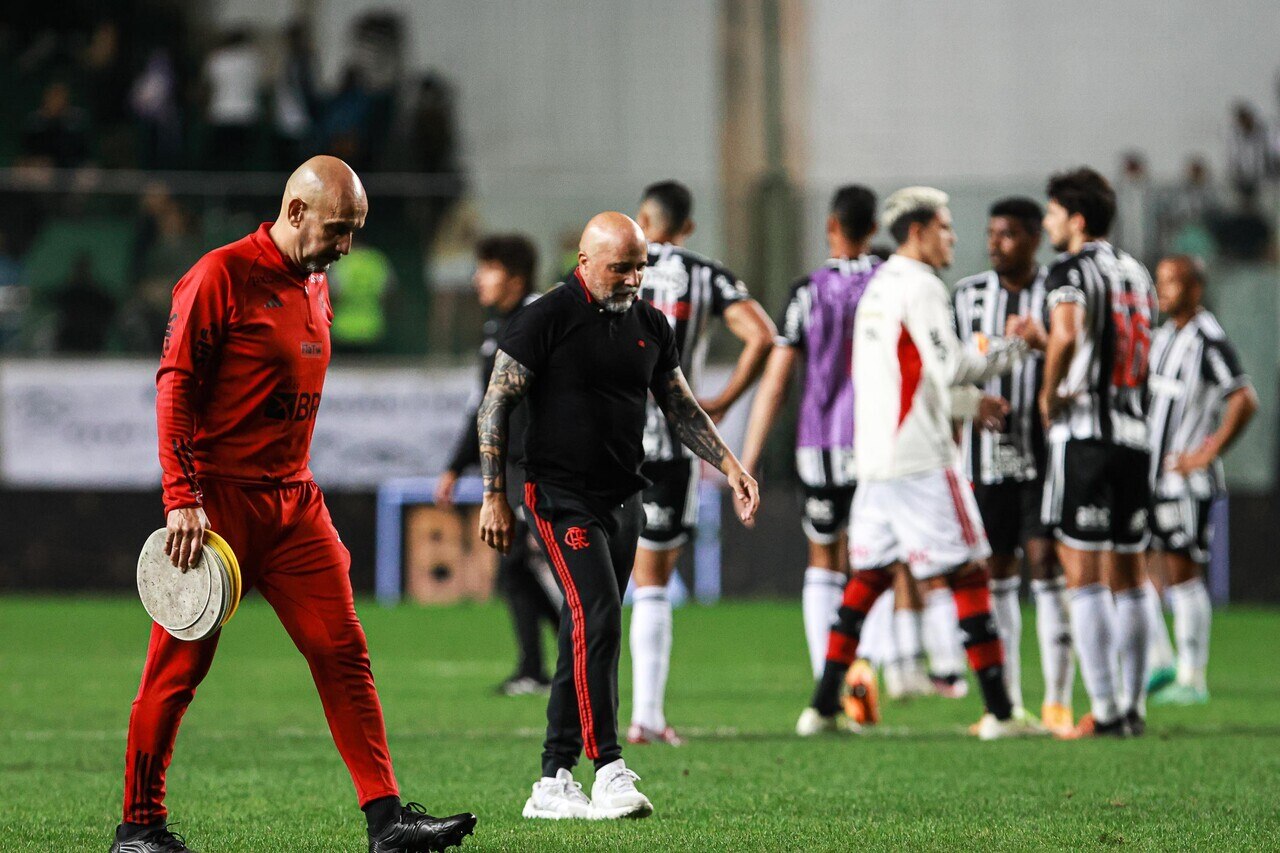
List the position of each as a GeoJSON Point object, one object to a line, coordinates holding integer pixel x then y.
{"type": "Point", "coordinates": [862, 703]}
{"type": "Point", "coordinates": [1057, 719]}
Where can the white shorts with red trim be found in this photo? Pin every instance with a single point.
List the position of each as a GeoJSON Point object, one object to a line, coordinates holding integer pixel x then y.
{"type": "Point", "coordinates": [929, 521]}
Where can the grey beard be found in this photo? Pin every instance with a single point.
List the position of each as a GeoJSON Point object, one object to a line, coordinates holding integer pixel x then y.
{"type": "Point", "coordinates": [618, 305]}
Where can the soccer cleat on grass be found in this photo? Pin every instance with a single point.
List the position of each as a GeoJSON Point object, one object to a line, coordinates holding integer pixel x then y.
{"type": "Point", "coordinates": [951, 686]}
{"type": "Point", "coordinates": [1135, 724]}
{"type": "Point", "coordinates": [862, 702]}
{"type": "Point", "coordinates": [557, 798]}
{"type": "Point", "coordinates": [153, 839]}
{"type": "Point", "coordinates": [811, 723]}
{"type": "Point", "coordinates": [990, 728]}
{"type": "Point", "coordinates": [1180, 694]}
{"type": "Point", "coordinates": [415, 831]}
{"type": "Point", "coordinates": [1021, 716]}
{"type": "Point", "coordinates": [614, 794]}
{"type": "Point", "coordinates": [524, 685]}
{"type": "Point", "coordinates": [1160, 678]}
{"type": "Point", "coordinates": [1057, 718]}
{"type": "Point", "coordinates": [1089, 727]}
{"type": "Point", "coordinates": [640, 735]}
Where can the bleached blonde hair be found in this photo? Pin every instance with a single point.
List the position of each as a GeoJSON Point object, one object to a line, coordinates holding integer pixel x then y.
{"type": "Point", "coordinates": [908, 204]}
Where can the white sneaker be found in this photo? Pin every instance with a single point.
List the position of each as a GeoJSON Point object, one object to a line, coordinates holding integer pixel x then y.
{"type": "Point", "coordinates": [614, 794]}
{"type": "Point", "coordinates": [812, 723]}
{"type": "Point", "coordinates": [989, 728]}
{"type": "Point", "coordinates": [557, 798]}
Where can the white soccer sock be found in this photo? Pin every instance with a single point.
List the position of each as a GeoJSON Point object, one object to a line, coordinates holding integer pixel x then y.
{"type": "Point", "coordinates": [908, 631]}
{"type": "Point", "coordinates": [1131, 619]}
{"type": "Point", "coordinates": [942, 633]}
{"type": "Point", "coordinates": [1160, 650]}
{"type": "Point", "coordinates": [650, 655]}
{"type": "Point", "coordinates": [1008, 616]}
{"type": "Point", "coordinates": [876, 642]}
{"type": "Point", "coordinates": [1054, 633]}
{"type": "Point", "coordinates": [1192, 615]}
{"type": "Point", "coordinates": [819, 601]}
{"type": "Point", "coordinates": [1093, 631]}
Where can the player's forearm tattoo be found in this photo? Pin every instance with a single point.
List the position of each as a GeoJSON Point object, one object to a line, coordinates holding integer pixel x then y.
{"type": "Point", "coordinates": [508, 383]}
{"type": "Point", "coordinates": [691, 424]}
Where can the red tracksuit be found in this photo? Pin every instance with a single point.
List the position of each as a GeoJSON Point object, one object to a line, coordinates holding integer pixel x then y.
{"type": "Point", "coordinates": [240, 379]}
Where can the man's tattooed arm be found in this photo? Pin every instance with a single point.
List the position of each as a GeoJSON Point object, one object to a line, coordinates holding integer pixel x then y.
{"type": "Point", "coordinates": [691, 424]}
{"type": "Point", "coordinates": [508, 383]}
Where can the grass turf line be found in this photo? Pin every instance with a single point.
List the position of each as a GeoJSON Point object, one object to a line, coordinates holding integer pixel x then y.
{"type": "Point", "coordinates": [255, 769]}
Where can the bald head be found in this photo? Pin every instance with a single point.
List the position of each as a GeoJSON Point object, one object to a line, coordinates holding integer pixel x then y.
{"type": "Point", "coordinates": [1180, 286]}
{"type": "Point", "coordinates": [612, 255]}
{"type": "Point", "coordinates": [322, 208]}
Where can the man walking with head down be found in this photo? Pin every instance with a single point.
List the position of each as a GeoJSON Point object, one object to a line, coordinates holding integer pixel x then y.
{"type": "Point", "coordinates": [241, 374]}
{"type": "Point", "coordinates": [587, 355]}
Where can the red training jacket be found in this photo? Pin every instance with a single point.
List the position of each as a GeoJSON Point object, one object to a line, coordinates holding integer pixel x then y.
{"type": "Point", "coordinates": [241, 371]}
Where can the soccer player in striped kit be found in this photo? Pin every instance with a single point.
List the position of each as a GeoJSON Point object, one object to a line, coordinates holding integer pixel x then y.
{"type": "Point", "coordinates": [913, 378]}
{"type": "Point", "coordinates": [1099, 305]}
{"type": "Point", "coordinates": [1006, 466]}
{"type": "Point", "coordinates": [586, 357]}
{"type": "Point", "coordinates": [241, 372]}
{"type": "Point", "coordinates": [690, 290]}
{"type": "Point", "coordinates": [1201, 402]}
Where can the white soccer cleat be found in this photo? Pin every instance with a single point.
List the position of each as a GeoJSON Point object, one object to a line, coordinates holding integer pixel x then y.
{"type": "Point", "coordinates": [989, 728]}
{"type": "Point", "coordinates": [614, 794]}
{"type": "Point", "coordinates": [813, 723]}
{"type": "Point", "coordinates": [557, 798]}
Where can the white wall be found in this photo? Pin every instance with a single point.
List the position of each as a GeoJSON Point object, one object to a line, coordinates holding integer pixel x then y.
{"type": "Point", "coordinates": [993, 88]}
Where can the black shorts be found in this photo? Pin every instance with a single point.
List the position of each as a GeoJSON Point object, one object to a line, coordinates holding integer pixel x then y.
{"type": "Point", "coordinates": [826, 512]}
{"type": "Point", "coordinates": [670, 504]}
{"type": "Point", "coordinates": [1181, 526]}
{"type": "Point", "coordinates": [1097, 495]}
{"type": "Point", "coordinates": [1011, 514]}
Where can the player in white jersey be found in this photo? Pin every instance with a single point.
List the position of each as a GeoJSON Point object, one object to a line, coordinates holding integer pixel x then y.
{"type": "Point", "coordinates": [1097, 495]}
{"type": "Point", "coordinates": [913, 377]}
{"type": "Point", "coordinates": [1201, 401]}
{"type": "Point", "coordinates": [690, 290]}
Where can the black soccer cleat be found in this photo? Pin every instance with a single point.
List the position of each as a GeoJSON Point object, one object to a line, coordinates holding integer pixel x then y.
{"type": "Point", "coordinates": [415, 831]}
{"type": "Point", "coordinates": [153, 839]}
{"type": "Point", "coordinates": [1135, 723]}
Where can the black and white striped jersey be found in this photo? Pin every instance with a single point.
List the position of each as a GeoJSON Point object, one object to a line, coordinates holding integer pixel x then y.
{"type": "Point", "coordinates": [1193, 370]}
{"type": "Point", "coordinates": [982, 308]}
{"type": "Point", "coordinates": [689, 290]}
{"type": "Point", "coordinates": [1107, 377]}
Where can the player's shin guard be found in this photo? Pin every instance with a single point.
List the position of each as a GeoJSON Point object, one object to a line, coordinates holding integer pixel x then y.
{"type": "Point", "coordinates": [860, 593]}
{"type": "Point", "coordinates": [981, 642]}
{"type": "Point", "coordinates": [1131, 619]}
{"type": "Point", "coordinates": [1053, 629]}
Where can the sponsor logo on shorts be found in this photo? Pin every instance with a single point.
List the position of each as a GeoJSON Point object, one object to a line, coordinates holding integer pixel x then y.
{"type": "Point", "coordinates": [576, 538]}
{"type": "Point", "coordinates": [1093, 518]}
{"type": "Point", "coordinates": [1138, 522]}
{"type": "Point", "coordinates": [820, 510]}
{"type": "Point", "coordinates": [658, 517]}
{"type": "Point", "coordinates": [918, 556]}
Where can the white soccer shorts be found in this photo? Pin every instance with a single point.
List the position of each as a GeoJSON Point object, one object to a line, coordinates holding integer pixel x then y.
{"type": "Point", "coordinates": [929, 521]}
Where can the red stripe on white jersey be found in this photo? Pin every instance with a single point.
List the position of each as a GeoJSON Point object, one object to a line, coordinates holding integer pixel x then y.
{"type": "Point", "coordinates": [909, 369]}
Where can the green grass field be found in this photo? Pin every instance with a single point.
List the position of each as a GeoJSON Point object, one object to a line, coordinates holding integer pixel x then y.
{"type": "Point", "coordinates": [255, 769]}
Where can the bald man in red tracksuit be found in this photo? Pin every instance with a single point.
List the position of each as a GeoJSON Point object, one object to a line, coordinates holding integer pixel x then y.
{"type": "Point", "coordinates": [240, 382]}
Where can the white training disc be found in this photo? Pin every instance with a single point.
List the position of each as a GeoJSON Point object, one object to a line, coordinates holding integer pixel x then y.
{"type": "Point", "coordinates": [190, 605]}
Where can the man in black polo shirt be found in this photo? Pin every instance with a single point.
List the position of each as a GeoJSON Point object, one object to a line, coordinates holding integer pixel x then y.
{"type": "Point", "coordinates": [587, 355]}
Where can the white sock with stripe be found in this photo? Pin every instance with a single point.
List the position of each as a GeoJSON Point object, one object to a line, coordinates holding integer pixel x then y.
{"type": "Point", "coordinates": [1160, 651]}
{"type": "Point", "coordinates": [650, 655]}
{"type": "Point", "coordinates": [820, 598]}
{"type": "Point", "coordinates": [1093, 631]}
{"type": "Point", "coordinates": [1053, 629]}
{"type": "Point", "coordinates": [1131, 619]}
{"type": "Point", "coordinates": [1192, 616]}
{"type": "Point", "coordinates": [942, 633]}
{"type": "Point", "coordinates": [1008, 615]}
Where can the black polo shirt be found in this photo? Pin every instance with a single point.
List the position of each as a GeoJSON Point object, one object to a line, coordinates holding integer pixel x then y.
{"type": "Point", "coordinates": [593, 370]}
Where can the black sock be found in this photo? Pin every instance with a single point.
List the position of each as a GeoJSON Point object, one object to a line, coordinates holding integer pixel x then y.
{"type": "Point", "coordinates": [381, 812]}
{"type": "Point", "coordinates": [826, 694]}
{"type": "Point", "coordinates": [994, 694]}
{"type": "Point", "coordinates": [128, 830]}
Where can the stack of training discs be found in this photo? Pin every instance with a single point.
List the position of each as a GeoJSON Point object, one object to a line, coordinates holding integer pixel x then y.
{"type": "Point", "coordinates": [194, 604]}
